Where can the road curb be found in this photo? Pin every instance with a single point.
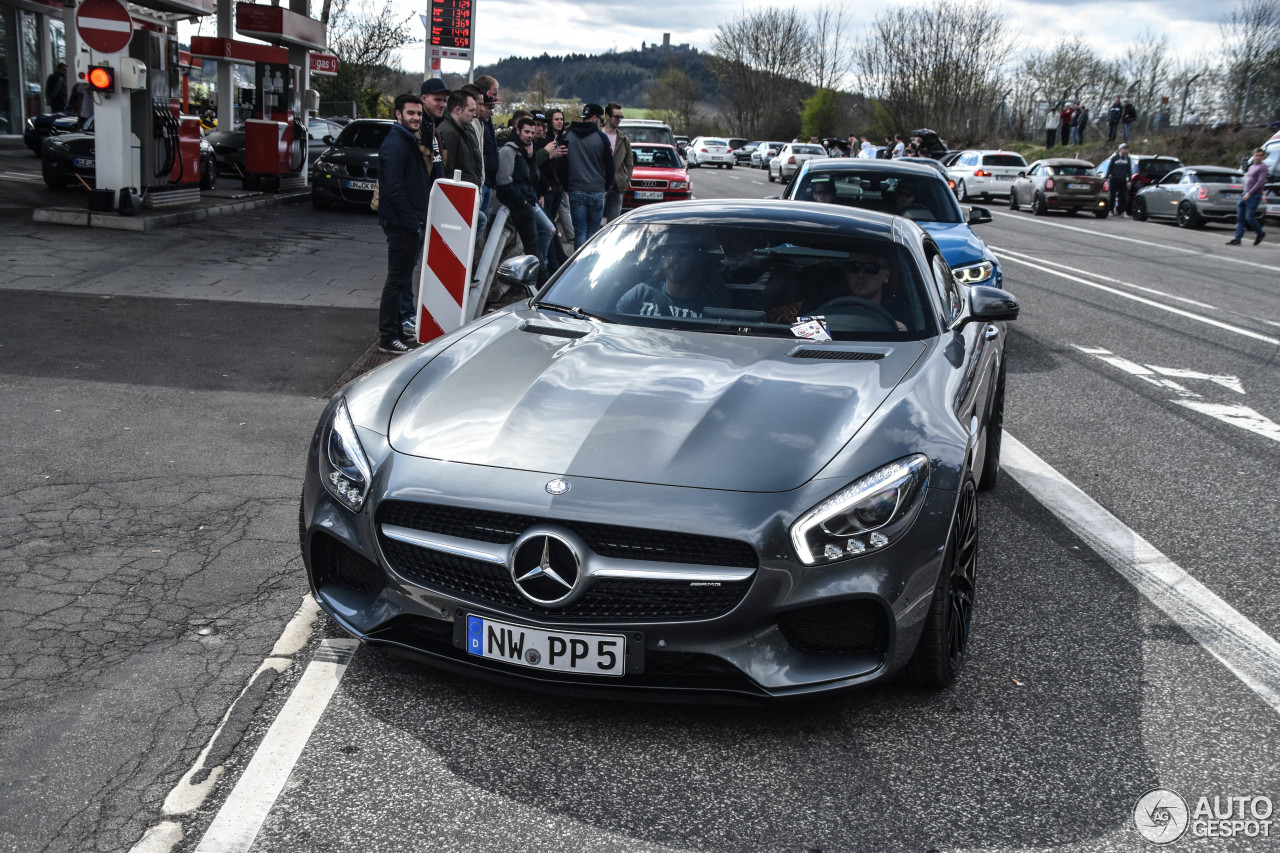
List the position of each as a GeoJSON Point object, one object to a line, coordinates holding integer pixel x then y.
{"type": "Point", "coordinates": [154, 220]}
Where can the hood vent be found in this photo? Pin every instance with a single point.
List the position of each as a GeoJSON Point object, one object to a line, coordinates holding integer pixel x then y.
{"type": "Point", "coordinates": [553, 331]}
{"type": "Point", "coordinates": [835, 354]}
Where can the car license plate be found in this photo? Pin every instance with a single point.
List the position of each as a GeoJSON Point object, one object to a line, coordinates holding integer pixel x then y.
{"type": "Point", "coordinates": [362, 185]}
{"type": "Point", "coordinates": [536, 648]}
{"type": "Point", "coordinates": [1273, 210]}
{"type": "Point", "coordinates": [1084, 187]}
{"type": "Point", "coordinates": [1231, 196]}
{"type": "Point", "coordinates": [84, 162]}
{"type": "Point", "coordinates": [649, 195]}
{"type": "Point", "coordinates": [1004, 177]}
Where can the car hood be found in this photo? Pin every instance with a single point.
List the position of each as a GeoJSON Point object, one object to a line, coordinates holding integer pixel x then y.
{"type": "Point", "coordinates": [350, 155]}
{"type": "Point", "coordinates": [666, 173]}
{"type": "Point", "coordinates": [643, 405]}
{"type": "Point", "coordinates": [959, 245]}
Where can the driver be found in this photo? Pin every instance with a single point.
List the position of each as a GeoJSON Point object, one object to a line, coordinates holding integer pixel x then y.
{"type": "Point", "coordinates": [686, 289]}
{"type": "Point", "coordinates": [823, 190]}
{"type": "Point", "coordinates": [865, 275]}
{"type": "Point", "coordinates": [869, 277]}
{"type": "Point", "coordinates": [905, 204]}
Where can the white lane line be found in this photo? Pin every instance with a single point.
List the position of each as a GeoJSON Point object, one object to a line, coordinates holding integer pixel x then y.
{"type": "Point", "coordinates": [1246, 650]}
{"type": "Point", "coordinates": [1238, 416]}
{"type": "Point", "coordinates": [1101, 277]}
{"type": "Point", "coordinates": [1013, 256]}
{"type": "Point", "coordinates": [1148, 243]}
{"type": "Point", "coordinates": [238, 822]}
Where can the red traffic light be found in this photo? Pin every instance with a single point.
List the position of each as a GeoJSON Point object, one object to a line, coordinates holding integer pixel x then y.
{"type": "Point", "coordinates": [102, 78]}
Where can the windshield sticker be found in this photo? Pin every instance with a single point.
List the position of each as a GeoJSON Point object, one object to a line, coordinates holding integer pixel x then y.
{"type": "Point", "coordinates": [812, 328]}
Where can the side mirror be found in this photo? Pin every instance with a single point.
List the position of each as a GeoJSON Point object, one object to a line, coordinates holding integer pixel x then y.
{"type": "Point", "coordinates": [1022, 174]}
{"type": "Point", "coordinates": [328, 139]}
{"type": "Point", "coordinates": [520, 271]}
{"type": "Point", "coordinates": [990, 305]}
{"type": "Point", "coordinates": [979, 215]}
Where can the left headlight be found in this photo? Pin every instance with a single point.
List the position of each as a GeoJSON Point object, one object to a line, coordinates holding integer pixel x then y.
{"type": "Point", "coordinates": [344, 467]}
{"type": "Point", "coordinates": [863, 517]}
{"type": "Point", "coordinates": [974, 273]}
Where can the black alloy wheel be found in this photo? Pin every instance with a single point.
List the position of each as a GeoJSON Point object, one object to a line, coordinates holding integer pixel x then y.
{"type": "Point", "coordinates": [944, 645]}
{"type": "Point", "coordinates": [1139, 210]}
{"type": "Point", "coordinates": [1188, 216]}
{"type": "Point", "coordinates": [1013, 199]}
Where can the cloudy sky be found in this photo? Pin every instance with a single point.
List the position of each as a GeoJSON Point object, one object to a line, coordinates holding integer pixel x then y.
{"type": "Point", "coordinates": [530, 27]}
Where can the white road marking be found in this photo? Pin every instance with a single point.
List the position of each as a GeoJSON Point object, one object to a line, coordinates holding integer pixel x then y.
{"type": "Point", "coordinates": [1231, 383]}
{"type": "Point", "coordinates": [1013, 256]}
{"type": "Point", "coordinates": [1161, 246]}
{"type": "Point", "coordinates": [1132, 367]}
{"type": "Point", "coordinates": [238, 822]}
{"type": "Point", "coordinates": [1100, 277]}
{"type": "Point", "coordinates": [1246, 650]}
{"type": "Point", "coordinates": [1238, 416]}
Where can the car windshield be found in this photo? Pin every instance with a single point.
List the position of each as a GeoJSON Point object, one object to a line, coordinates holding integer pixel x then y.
{"type": "Point", "coordinates": [921, 198]}
{"type": "Point", "coordinates": [1002, 160]}
{"type": "Point", "coordinates": [660, 135]}
{"type": "Point", "coordinates": [745, 280]}
{"type": "Point", "coordinates": [363, 135]}
{"type": "Point", "coordinates": [808, 149]}
{"type": "Point", "coordinates": [661, 158]}
{"type": "Point", "coordinates": [1218, 177]}
{"type": "Point", "coordinates": [1071, 169]}
{"type": "Point", "coordinates": [714, 142]}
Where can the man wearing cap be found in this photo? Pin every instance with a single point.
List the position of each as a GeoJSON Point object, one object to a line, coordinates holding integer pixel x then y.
{"type": "Point", "coordinates": [590, 173]}
{"type": "Point", "coordinates": [1118, 175]}
{"type": "Point", "coordinates": [624, 162]}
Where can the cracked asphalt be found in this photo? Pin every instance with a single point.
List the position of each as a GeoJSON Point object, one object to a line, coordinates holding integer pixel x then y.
{"type": "Point", "coordinates": [157, 392]}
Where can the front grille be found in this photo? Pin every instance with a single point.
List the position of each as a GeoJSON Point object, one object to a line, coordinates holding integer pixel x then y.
{"type": "Point", "coordinates": [649, 184]}
{"type": "Point", "coordinates": [333, 563]}
{"type": "Point", "coordinates": [839, 628]}
{"type": "Point", "coordinates": [607, 540]}
{"type": "Point", "coordinates": [356, 170]}
{"type": "Point", "coordinates": [625, 599]}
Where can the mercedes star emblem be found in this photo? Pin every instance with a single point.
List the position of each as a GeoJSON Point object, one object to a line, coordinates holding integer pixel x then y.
{"type": "Point", "coordinates": [557, 487]}
{"type": "Point", "coordinates": [545, 569]}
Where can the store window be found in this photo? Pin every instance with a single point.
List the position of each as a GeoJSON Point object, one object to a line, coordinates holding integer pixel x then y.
{"type": "Point", "coordinates": [10, 78]}
{"type": "Point", "coordinates": [32, 80]}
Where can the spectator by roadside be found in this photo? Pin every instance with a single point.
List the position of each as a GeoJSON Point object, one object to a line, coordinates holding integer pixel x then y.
{"type": "Point", "coordinates": [1052, 120]}
{"type": "Point", "coordinates": [1079, 124]}
{"type": "Point", "coordinates": [590, 173]}
{"type": "Point", "coordinates": [402, 213]}
{"type": "Point", "coordinates": [1118, 175]}
{"type": "Point", "coordinates": [560, 213]}
{"type": "Point", "coordinates": [55, 89]}
{"type": "Point", "coordinates": [485, 105]}
{"type": "Point", "coordinates": [899, 148]}
{"type": "Point", "coordinates": [516, 184]}
{"type": "Point", "coordinates": [1113, 120]}
{"type": "Point", "coordinates": [624, 162]}
{"type": "Point", "coordinates": [1128, 115]}
{"type": "Point", "coordinates": [1255, 186]}
{"type": "Point", "coordinates": [461, 148]}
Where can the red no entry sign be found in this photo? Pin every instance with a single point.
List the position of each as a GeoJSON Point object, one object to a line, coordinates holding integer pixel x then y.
{"type": "Point", "coordinates": [104, 25]}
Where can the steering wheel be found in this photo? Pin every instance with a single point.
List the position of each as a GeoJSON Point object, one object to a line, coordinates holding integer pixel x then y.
{"type": "Point", "coordinates": [881, 319]}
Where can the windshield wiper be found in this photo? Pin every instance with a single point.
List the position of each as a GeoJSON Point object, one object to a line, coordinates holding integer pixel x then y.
{"type": "Point", "coordinates": [573, 312]}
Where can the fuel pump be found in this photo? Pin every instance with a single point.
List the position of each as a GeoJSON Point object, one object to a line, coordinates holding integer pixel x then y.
{"type": "Point", "coordinates": [275, 142]}
{"type": "Point", "coordinates": [168, 141]}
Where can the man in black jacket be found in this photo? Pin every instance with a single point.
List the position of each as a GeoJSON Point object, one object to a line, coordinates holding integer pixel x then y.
{"type": "Point", "coordinates": [1119, 172]}
{"type": "Point", "coordinates": [402, 213]}
{"type": "Point", "coordinates": [1128, 115]}
{"type": "Point", "coordinates": [1113, 120]}
{"type": "Point", "coordinates": [461, 148]}
{"type": "Point", "coordinates": [516, 183]}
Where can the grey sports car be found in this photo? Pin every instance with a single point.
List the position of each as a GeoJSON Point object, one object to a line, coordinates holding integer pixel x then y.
{"type": "Point", "coordinates": [1191, 196]}
{"type": "Point", "coordinates": [732, 448]}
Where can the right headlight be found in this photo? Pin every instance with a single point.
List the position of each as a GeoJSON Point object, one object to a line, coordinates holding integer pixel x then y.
{"type": "Point", "coordinates": [344, 467]}
{"type": "Point", "coordinates": [865, 516]}
{"type": "Point", "coordinates": [974, 273]}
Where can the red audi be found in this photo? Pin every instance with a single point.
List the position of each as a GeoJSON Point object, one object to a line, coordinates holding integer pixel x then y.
{"type": "Point", "coordinates": [659, 175]}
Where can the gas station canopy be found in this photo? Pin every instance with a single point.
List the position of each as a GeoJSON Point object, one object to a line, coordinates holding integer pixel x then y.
{"type": "Point", "coordinates": [243, 52]}
{"type": "Point", "coordinates": [179, 7]}
{"type": "Point", "coordinates": [278, 25]}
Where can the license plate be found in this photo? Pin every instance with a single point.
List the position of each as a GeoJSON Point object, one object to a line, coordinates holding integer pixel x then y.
{"type": "Point", "coordinates": [536, 648]}
{"type": "Point", "coordinates": [1004, 177]}
{"type": "Point", "coordinates": [84, 162]}
{"type": "Point", "coordinates": [1231, 196]}
{"type": "Point", "coordinates": [362, 185]}
{"type": "Point", "coordinates": [648, 195]}
{"type": "Point", "coordinates": [1084, 187]}
{"type": "Point", "coordinates": [1273, 210]}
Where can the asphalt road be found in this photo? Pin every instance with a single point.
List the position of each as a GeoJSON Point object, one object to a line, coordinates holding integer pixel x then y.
{"type": "Point", "coordinates": [157, 444]}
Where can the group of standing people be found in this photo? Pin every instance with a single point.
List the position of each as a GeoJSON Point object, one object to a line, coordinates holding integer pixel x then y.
{"type": "Point", "coordinates": [1067, 124]}
{"type": "Point", "coordinates": [540, 170]}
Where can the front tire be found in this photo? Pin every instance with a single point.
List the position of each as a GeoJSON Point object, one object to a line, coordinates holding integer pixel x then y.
{"type": "Point", "coordinates": [1013, 200]}
{"type": "Point", "coordinates": [51, 178]}
{"type": "Point", "coordinates": [771, 178]}
{"type": "Point", "coordinates": [944, 645]}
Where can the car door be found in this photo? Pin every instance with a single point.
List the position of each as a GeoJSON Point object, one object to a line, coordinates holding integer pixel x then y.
{"type": "Point", "coordinates": [1164, 195]}
{"type": "Point", "coordinates": [1025, 187]}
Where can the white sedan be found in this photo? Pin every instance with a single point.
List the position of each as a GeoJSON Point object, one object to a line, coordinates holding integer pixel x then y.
{"type": "Point", "coordinates": [709, 151]}
{"type": "Point", "coordinates": [789, 159]}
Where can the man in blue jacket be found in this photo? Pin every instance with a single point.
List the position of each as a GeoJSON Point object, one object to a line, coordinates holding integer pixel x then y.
{"type": "Point", "coordinates": [403, 181]}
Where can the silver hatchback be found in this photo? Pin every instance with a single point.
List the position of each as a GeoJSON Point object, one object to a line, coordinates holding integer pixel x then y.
{"type": "Point", "coordinates": [1191, 196]}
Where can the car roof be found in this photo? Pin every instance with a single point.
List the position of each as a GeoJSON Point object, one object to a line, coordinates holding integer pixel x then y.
{"type": "Point", "coordinates": [782, 214]}
{"type": "Point", "coordinates": [847, 164]}
{"type": "Point", "coordinates": [1064, 161]}
{"type": "Point", "coordinates": [645, 121]}
{"type": "Point", "coordinates": [989, 151]}
{"type": "Point", "coordinates": [1209, 168]}
{"type": "Point", "coordinates": [652, 145]}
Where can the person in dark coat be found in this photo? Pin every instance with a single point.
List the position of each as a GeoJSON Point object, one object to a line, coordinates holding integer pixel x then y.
{"type": "Point", "coordinates": [1128, 115]}
{"type": "Point", "coordinates": [55, 89]}
{"type": "Point", "coordinates": [402, 212]}
{"type": "Point", "coordinates": [516, 183]}
{"type": "Point", "coordinates": [1118, 175]}
{"type": "Point", "coordinates": [1113, 120]}
{"type": "Point", "coordinates": [590, 172]}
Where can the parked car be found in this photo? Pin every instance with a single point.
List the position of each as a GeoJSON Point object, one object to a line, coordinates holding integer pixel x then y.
{"type": "Point", "coordinates": [791, 157]}
{"type": "Point", "coordinates": [347, 171]}
{"type": "Point", "coordinates": [709, 151]}
{"type": "Point", "coordinates": [659, 175]}
{"type": "Point", "coordinates": [736, 144]}
{"type": "Point", "coordinates": [936, 165]}
{"type": "Point", "coordinates": [765, 152]}
{"type": "Point", "coordinates": [743, 155]}
{"type": "Point", "coordinates": [933, 145]}
{"type": "Point", "coordinates": [912, 190]}
{"type": "Point", "coordinates": [985, 173]}
{"type": "Point", "coordinates": [41, 127]}
{"type": "Point", "coordinates": [1060, 183]}
{"type": "Point", "coordinates": [1191, 196]}
{"type": "Point", "coordinates": [647, 130]}
{"type": "Point", "coordinates": [68, 158]}
{"type": "Point", "coordinates": [1146, 169]}
{"type": "Point", "coordinates": [682, 142]}
{"type": "Point", "coordinates": [586, 523]}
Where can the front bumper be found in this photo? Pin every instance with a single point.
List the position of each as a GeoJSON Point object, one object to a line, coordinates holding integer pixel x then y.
{"type": "Point", "coordinates": [339, 188]}
{"type": "Point", "coordinates": [629, 200]}
{"type": "Point", "coordinates": [782, 630]}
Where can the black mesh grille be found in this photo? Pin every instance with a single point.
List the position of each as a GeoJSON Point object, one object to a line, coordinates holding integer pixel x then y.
{"type": "Point", "coordinates": [836, 355]}
{"type": "Point", "coordinates": [627, 599]}
{"type": "Point", "coordinates": [334, 563]}
{"type": "Point", "coordinates": [839, 628]}
{"type": "Point", "coordinates": [607, 540]}
{"type": "Point", "coordinates": [554, 331]}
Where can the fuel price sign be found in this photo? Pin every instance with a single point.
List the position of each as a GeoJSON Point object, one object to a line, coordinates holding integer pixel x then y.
{"type": "Point", "coordinates": [449, 25]}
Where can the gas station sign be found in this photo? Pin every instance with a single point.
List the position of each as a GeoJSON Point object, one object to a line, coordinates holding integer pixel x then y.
{"type": "Point", "coordinates": [324, 64]}
{"type": "Point", "coordinates": [449, 28]}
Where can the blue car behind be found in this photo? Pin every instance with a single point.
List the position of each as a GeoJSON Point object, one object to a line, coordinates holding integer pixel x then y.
{"type": "Point", "coordinates": [910, 190]}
